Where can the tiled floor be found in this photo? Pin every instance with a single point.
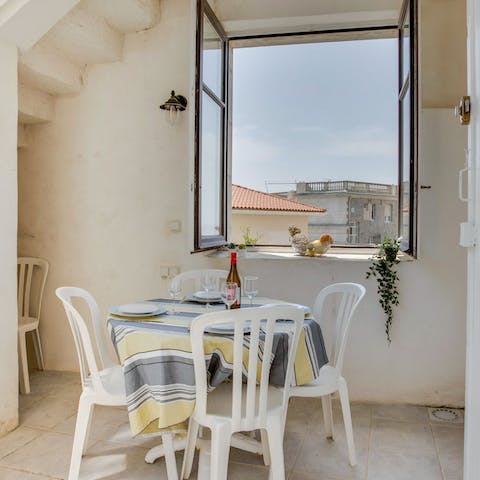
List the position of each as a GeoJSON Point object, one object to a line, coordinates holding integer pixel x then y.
{"type": "Point", "coordinates": [393, 442]}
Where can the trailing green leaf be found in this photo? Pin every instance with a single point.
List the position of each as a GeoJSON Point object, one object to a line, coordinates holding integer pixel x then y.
{"type": "Point", "coordinates": [382, 268]}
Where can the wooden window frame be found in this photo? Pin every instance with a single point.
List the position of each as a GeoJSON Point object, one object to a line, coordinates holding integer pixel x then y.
{"type": "Point", "coordinates": [208, 242]}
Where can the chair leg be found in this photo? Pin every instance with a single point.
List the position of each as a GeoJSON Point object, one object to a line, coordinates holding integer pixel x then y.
{"type": "Point", "coordinates": [328, 415]}
{"type": "Point", "coordinates": [275, 440]}
{"type": "Point", "coordinates": [23, 363]}
{"type": "Point", "coordinates": [83, 418]}
{"type": "Point", "coordinates": [169, 452]}
{"type": "Point", "coordinates": [265, 447]}
{"type": "Point", "coordinates": [89, 428]}
{"type": "Point", "coordinates": [220, 451]}
{"type": "Point", "coordinates": [347, 420]}
{"type": "Point", "coordinates": [189, 451]}
{"type": "Point", "coordinates": [38, 349]}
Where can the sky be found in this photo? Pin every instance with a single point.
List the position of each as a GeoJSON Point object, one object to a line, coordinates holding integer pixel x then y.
{"type": "Point", "coordinates": [315, 112]}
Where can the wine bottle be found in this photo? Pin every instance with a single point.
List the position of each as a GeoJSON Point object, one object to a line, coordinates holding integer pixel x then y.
{"type": "Point", "coordinates": [234, 277]}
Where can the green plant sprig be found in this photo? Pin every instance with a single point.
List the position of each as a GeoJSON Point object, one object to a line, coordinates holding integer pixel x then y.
{"type": "Point", "coordinates": [382, 268]}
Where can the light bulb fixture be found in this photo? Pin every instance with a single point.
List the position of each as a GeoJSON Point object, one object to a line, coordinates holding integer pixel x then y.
{"type": "Point", "coordinates": [175, 104]}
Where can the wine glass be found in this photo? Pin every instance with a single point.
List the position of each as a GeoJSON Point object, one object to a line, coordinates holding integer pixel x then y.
{"type": "Point", "coordinates": [250, 287]}
{"type": "Point", "coordinates": [208, 285]}
{"type": "Point", "coordinates": [229, 294]}
{"type": "Point", "coordinates": [174, 290]}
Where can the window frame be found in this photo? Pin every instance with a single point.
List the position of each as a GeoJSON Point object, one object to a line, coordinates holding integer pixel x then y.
{"type": "Point", "coordinates": [201, 242]}
{"type": "Point", "coordinates": [301, 37]}
{"type": "Point", "coordinates": [410, 85]}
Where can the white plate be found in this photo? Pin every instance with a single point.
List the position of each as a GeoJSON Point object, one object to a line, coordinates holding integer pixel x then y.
{"type": "Point", "coordinates": [207, 295]}
{"type": "Point", "coordinates": [192, 298]}
{"type": "Point", "coordinates": [138, 310]}
{"type": "Point", "coordinates": [306, 309]}
{"type": "Point", "coordinates": [225, 329]}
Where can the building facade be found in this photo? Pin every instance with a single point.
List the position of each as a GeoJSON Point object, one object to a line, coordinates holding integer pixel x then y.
{"type": "Point", "coordinates": [357, 213]}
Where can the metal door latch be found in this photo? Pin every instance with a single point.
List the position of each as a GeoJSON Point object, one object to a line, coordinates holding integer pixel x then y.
{"type": "Point", "coordinates": [462, 111]}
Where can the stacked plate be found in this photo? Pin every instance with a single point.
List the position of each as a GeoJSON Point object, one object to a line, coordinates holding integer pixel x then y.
{"type": "Point", "coordinates": [138, 310]}
{"type": "Point", "coordinates": [205, 297]}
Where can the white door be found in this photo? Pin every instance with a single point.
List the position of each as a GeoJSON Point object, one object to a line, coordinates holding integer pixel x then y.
{"type": "Point", "coordinates": [472, 391]}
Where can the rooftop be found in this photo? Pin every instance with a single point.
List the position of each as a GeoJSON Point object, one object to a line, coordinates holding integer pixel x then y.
{"type": "Point", "coordinates": [244, 198]}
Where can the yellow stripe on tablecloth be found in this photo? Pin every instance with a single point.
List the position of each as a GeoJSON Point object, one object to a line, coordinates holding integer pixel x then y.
{"type": "Point", "coordinates": [303, 367]}
{"type": "Point", "coordinates": [153, 416]}
{"type": "Point", "coordinates": [144, 341]}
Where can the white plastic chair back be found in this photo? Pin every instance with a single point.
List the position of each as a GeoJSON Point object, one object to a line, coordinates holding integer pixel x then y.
{"type": "Point", "coordinates": [83, 344]}
{"type": "Point", "coordinates": [251, 412]}
{"type": "Point", "coordinates": [349, 296]}
{"type": "Point", "coordinates": [30, 271]}
{"type": "Point", "coordinates": [195, 278]}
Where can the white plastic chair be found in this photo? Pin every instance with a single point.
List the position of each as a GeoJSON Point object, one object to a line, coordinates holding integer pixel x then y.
{"type": "Point", "coordinates": [100, 386]}
{"type": "Point", "coordinates": [31, 272]}
{"type": "Point", "coordinates": [330, 379]}
{"type": "Point", "coordinates": [237, 407]}
{"type": "Point", "coordinates": [194, 279]}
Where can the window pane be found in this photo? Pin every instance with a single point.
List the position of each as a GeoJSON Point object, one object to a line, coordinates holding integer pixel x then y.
{"type": "Point", "coordinates": [212, 58]}
{"type": "Point", "coordinates": [405, 172]}
{"type": "Point", "coordinates": [211, 168]}
{"type": "Point", "coordinates": [293, 139]}
{"type": "Point", "coordinates": [405, 46]}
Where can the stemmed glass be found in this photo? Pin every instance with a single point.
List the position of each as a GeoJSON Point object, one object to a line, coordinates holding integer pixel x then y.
{"type": "Point", "coordinates": [229, 294]}
{"type": "Point", "coordinates": [250, 287]}
{"type": "Point", "coordinates": [208, 285]}
{"type": "Point", "coordinates": [174, 290]}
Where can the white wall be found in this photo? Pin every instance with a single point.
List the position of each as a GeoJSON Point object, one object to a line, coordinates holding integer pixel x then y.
{"type": "Point", "coordinates": [8, 244]}
{"type": "Point", "coordinates": [99, 184]}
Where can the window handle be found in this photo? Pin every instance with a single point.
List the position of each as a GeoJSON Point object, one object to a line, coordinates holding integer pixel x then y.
{"type": "Point", "coordinates": [461, 196]}
{"type": "Point", "coordinates": [461, 173]}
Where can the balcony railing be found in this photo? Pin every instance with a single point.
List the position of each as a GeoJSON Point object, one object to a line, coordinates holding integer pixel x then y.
{"type": "Point", "coordinates": [347, 186]}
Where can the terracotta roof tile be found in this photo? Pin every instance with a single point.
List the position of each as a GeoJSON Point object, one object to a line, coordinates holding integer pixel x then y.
{"type": "Point", "coordinates": [244, 198]}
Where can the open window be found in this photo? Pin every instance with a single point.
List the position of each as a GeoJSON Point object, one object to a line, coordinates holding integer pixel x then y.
{"type": "Point", "coordinates": [210, 131]}
{"type": "Point", "coordinates": [407, 123]}
{"type": "Point", "coordinates": [372, 198]}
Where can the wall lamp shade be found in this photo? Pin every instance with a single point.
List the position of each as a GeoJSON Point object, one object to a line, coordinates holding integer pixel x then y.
{"type": "Point", "coordinates": [175, 104]}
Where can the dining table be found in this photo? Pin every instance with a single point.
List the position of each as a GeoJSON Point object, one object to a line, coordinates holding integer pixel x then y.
{"type": "Point", "coordinates": [156, 357]}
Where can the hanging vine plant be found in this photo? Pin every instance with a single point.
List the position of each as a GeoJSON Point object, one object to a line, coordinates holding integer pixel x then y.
{"type": "Point", "coordinates": [383, 269]}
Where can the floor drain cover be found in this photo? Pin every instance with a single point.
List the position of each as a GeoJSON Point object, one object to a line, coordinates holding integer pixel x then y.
{"type": "Point", "coordinates": [447, 415]}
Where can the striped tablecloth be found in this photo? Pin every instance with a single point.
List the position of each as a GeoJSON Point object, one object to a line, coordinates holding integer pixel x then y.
{"type": "Point", "coordinates": [156, 357]}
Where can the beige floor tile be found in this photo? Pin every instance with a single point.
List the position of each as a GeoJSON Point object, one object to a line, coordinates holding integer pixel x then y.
{"type": "Point", "coordinates": [114, 461]}
{"type": "Point", "coordinates": [304, 412]}
{"type": "Point", "coordinates": [329, 458]}
{"type": "Point", "coordinates": [7, 474]}
{"type": "Point", "coordinates": [28, 401]}
{"type": "Point", "coordinates": [48, 454]}
{"type": "Point", "coordinates": [307, 476]}
{"type": "Point", "coordinates": [16, 439]}
{"type": "Point", "coordinates": [392, 435]}
{"type": "Point", "coordinates": [401, 413]}
{"type": "Point", "coordinates": [449, 441]}
{"type": "Point", "coordinates": [242, 471]}
{"type": "Point", "coordinates": [292, 445]}
{"type": "Point", "coordinates": [48, 412]}
{"type": "Point", "coordinates": [403, 465]}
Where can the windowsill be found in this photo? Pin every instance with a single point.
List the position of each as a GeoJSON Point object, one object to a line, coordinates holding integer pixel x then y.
{"type": "Point", "coordinates": [335, 254]}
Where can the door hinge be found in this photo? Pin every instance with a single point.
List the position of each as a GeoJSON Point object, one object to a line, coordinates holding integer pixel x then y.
{"type": "Point", "coordinates": [468, 235]}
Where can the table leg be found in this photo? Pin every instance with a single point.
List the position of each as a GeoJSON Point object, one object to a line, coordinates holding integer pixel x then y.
{"type": "Point", "coordinates": [239, 440]}
{"type": "Point", "coordinates": [159, 451]}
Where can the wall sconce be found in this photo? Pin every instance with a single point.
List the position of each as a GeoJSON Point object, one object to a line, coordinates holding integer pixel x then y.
{"type": "Point", "coordinates": [175, 104]}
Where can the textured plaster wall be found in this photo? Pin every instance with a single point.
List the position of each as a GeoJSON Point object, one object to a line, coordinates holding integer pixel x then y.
{"type": "Point", "coordinates": [8, 243]}
{"type": "Point", "coordinates": [99, 185]}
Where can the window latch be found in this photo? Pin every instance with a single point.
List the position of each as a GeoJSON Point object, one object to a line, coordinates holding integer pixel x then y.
{"type": "Point", "coordinates": [462, 110]}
